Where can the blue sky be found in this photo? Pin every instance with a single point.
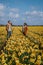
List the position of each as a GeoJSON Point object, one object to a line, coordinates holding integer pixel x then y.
{"type": "Point", "coordinates": [20, 11]}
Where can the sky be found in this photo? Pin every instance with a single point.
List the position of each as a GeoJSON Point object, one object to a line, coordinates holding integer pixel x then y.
{"type": "Point", "coordinates": [20, 11]}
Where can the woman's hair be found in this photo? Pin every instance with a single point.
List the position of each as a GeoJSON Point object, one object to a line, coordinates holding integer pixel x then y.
{"type": "Point", "coordinates": [25, 24]}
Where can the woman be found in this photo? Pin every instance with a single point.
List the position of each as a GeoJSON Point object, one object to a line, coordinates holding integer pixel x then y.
{"type": "Point", "coordinates": [24, 29]}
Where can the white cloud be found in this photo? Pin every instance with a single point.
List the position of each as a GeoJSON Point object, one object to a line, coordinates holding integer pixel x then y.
{"type": "Point", "coordinates": [34, 13]}
{"type": "Point", "coordinates": [16, 15]}
{"type": "Point", "coordinates": [32, 7]}
{"type": "Point", "coordinates": [2, 6]}
{"type": "Point", "coordinates": [2, 19]}
{"type": "Point", "coordinates": [31, 12]}
{"type": "Point", "coordinates": [23, 19]}
{"type": "Point", "coordinates": [12, 15]}
{"type": "Point", "coordinates": [14, 10]}
{"type": "Point", "coordinates": [2, 14]}
{"type": "Point", "coordinates": [41, 14]}
{"type": "Point", "coordinates": [27, 13]}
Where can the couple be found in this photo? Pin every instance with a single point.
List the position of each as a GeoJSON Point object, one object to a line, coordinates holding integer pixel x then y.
{"type": "Point", "coordinates": [9, 29]}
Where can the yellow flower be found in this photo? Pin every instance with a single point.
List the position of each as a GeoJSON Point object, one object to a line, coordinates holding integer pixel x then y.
{"type": "Point", "coordinates": [5, 64]}
{"type": "Point", "coordinates": [39, 57]}
{"type": "Point", "coordinates": [3, 61]}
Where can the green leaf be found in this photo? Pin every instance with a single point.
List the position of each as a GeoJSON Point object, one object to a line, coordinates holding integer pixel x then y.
{"type": "Point", "coordinates": [13, 62]}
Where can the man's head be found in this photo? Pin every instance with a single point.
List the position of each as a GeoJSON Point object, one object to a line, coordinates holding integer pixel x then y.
{"type": "Point", "coordinates": [9, 21]}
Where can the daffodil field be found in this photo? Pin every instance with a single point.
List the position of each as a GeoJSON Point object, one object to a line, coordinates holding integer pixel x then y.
{"type": "Point", "coordinates": [20, 49]}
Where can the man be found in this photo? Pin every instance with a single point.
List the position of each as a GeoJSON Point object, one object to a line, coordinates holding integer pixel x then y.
{"type": "Point", "coordinates": [9, 29]}
{"type": "Point", "coordinates": [24, 29]}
